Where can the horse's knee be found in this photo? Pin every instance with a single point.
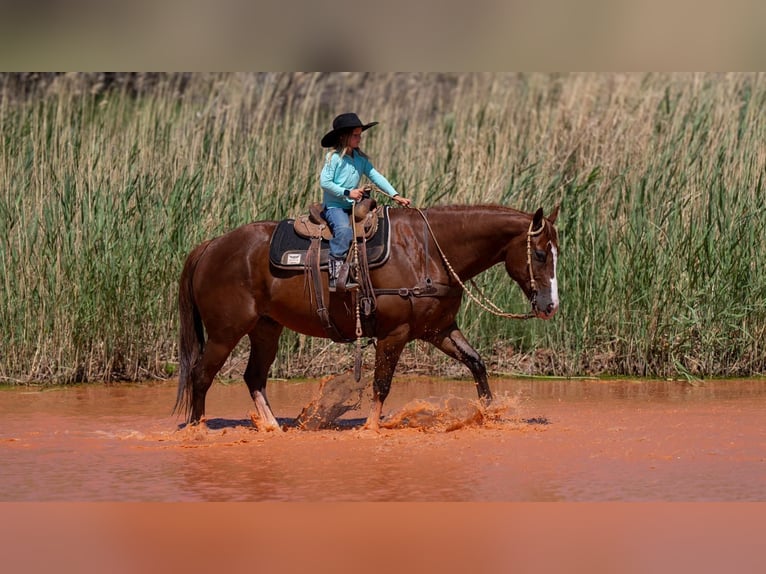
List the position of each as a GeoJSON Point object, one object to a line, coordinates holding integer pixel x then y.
{"type": "Point", "coordinates": [469, 355]}
{"type": "Point", "coordinates": [477, 366]}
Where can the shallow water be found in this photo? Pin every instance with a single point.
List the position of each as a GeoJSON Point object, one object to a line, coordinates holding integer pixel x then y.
{"type": "Point", "coordinates": [545, 440]}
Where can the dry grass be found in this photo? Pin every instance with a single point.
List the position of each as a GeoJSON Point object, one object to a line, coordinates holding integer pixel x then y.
{"type": "Point", "coordinates": [660, 177]}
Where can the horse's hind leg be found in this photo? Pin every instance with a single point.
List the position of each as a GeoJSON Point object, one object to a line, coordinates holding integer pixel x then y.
{"type": "Point", "coordinates": [264, 342]}
{"type": "Point", "coordinates": [452, 342]}
{"type": "Point", "coordinates": [202, 375]}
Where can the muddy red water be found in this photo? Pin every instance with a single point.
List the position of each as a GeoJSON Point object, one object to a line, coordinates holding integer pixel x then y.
{"type": "Point", "coordinates": [546, 440]}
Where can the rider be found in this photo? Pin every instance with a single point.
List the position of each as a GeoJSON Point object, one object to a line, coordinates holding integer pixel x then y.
{"type": "Point", "coordinates": [343, 168]}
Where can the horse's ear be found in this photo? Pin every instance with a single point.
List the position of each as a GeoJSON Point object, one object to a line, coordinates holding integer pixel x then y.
{"type": "Point", "coordinates": [537, 219]}
{"type": "Point", "coordinates": [554, 214]}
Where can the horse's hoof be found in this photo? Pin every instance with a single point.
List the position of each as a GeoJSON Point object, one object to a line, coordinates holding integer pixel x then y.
{"type": "Point", "coordinates": [371, 427]}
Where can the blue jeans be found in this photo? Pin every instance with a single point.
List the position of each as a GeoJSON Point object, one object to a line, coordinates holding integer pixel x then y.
{"type": "Point", "coordinates": [342, 233]}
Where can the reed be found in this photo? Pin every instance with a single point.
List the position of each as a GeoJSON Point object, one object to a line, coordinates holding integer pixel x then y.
{"type": "Point", "coordinates": [660, 178]}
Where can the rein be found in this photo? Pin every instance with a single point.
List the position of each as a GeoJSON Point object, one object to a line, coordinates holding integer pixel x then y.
{"type": "Point", "coordinates": [482, 300]}
{"type": "Point", "coordinates": [357, 307]}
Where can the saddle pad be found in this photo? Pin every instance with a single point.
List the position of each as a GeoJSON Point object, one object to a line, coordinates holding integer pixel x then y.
{"type": "Point", "coordinates": [287, 250]}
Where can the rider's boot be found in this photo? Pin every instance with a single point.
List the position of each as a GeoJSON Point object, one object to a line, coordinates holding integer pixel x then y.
{"type": "Point", "coordinates": [333, 267]}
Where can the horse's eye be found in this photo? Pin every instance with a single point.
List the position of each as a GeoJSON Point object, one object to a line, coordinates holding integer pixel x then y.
{"type": "Point", "coordinates": [540, 255]}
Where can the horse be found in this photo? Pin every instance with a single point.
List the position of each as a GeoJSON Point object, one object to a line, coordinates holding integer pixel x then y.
{"type": "Point", "coordinates": [228, 289]}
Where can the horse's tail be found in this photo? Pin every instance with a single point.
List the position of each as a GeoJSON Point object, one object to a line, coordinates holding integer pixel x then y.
{"type": "Point", "coordinates": [191, 341]}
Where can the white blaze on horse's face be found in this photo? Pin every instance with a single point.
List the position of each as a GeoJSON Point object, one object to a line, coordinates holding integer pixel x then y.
{"type": "Point", "coordinates": [554, 282]}
{"type": "Point", "coordinates": [546, 304]}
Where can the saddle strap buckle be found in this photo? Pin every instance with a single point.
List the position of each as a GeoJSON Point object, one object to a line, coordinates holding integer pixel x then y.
{"type": "Point", "coordinates": [366, 305]}
{"type": "Point", "coordinates": [324, 316]}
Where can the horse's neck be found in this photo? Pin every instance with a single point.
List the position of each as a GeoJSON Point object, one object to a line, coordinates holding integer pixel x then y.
{"type": "Point", "coordinates": [474, 239]}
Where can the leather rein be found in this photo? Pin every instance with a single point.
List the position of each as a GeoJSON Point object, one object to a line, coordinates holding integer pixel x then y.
{"type": "Point", "coordinates": [482, 300]}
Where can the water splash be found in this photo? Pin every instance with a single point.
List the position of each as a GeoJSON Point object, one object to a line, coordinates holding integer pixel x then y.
{"type": "Point", "coordinates": [335, 397]}
{"type": "Point", "coordinates": [450, 413]}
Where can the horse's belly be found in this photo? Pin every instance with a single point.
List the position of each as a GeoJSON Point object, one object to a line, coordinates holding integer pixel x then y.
{"type": "Point", "coordinates": [304, 318]}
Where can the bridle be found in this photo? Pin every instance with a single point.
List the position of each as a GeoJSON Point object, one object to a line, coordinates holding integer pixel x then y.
{"type": "Point", "coordinates": [530, 234]}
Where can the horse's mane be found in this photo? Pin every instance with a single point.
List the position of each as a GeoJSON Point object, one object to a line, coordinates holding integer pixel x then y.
{"type": "Point", "coordinates": [481, 207]}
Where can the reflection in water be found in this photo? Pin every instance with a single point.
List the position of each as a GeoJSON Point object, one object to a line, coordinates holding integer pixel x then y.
{"type": "Point", "coordinates": [542, 440]}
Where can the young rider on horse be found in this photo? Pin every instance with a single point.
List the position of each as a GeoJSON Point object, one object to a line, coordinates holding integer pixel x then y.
{"type": "Point", "coordinates": [342, 171]}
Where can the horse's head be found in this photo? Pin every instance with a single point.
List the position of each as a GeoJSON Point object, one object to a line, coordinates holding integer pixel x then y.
{"type": "Point", "coordinates": [534, 268]}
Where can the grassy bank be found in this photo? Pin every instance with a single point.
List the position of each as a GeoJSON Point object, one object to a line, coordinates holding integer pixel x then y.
{"type": "Point", "coordinates": [660, 177]}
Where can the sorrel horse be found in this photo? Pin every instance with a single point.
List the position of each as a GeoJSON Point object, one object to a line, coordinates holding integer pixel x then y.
{"type": "Point", "coordinates": [229, 289]}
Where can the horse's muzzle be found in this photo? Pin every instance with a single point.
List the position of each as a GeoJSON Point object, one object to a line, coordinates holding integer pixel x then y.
{"type": "Point", "coordinates": [546, 312]}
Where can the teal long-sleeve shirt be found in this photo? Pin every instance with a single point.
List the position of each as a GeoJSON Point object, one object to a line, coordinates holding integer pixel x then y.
{"type": "Point", "coordinates": [340, 174]}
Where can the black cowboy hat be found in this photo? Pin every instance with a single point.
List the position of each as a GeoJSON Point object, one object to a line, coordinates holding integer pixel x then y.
{"type": "Point", "coordinates": [341, 123]}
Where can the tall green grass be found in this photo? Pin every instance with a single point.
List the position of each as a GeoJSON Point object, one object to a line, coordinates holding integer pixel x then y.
{"type": "Point", "coordinates": [660, 179]}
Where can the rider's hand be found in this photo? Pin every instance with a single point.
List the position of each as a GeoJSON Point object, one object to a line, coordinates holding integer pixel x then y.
{"type": "Point", "coordinates": [403, 201]}
{"type": "Point", "coordinates": [356, 194]}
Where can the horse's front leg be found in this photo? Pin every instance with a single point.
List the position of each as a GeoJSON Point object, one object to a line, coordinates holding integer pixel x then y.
{"type": "Point", "coordinates": [452, 342]}
{"type": "Point", "coordinates": [387, 353]}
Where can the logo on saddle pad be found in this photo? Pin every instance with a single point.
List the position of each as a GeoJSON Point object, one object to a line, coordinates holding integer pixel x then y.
{"type": "Point", "coordinates": [294, 259]}
{"type": "Point", "coordinates": [288, 247]}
